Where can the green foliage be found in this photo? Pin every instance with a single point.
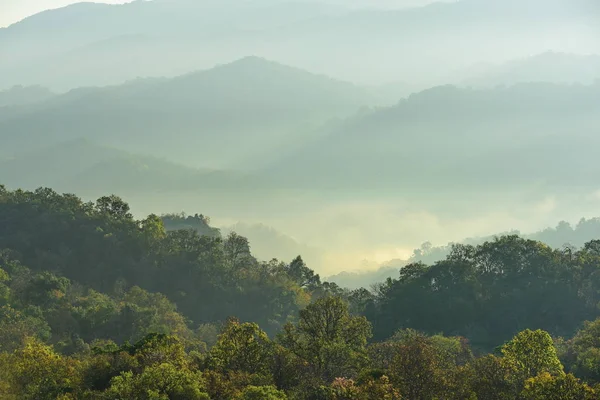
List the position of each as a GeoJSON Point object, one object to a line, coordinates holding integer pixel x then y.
{"type": "Point", "coordinates": [533, 353]}
{"type": "Point", "coordinates": [489, 292]}
{"type": "Point", "coordinates": [495, 378]}
{"type": "Point", "coordinates": [328, 338]}
{"type": "Point", "coordinates": [241, 347]}
{"type": "Point", "coordinates": [261, 393]}
{"type": "Point", "coordinates": [549, 387]}
{"type": "Point", "coordinates": [583, 352]}
{"type": "Point", "coordinates": [38, 373]}
{"type": "Point", "coordinates": [97, 305]}
{"type": "Point", "coordinates": [99, 246]}
{"type": "Point", "coordinates": [158, 382]}
{"type": "Point", "coordinates": [17, 326]}
{"type": "Point", "coordinates": [417, 369]}
{"type": "Point", "coordinates": [199, 223]}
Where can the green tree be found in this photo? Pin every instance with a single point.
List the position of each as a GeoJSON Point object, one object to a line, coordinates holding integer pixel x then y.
{"type": "Point", "coordinates": [261, 393]}
{"type": "Point", "coordinates": [158, 382]}
{"type": "Point", "coordinates": [38, 373]}
{"type": "Point", "coordinates": [533, 353]}
{"type": "Point", "coordinates": [495, 378]}
{"type": "Point", "coordinates": [330, 339]}
{"type": "Point", "coordinates": [584, 351]}
{"type": "Point", "coordinates": [113, 206]}
{"type": "Point", "coordinates": [417, 368]}
{"type": "Point", "coordinates": [237, 251]}
{"type": "Point", "coordinates": [302, 275]}
{"type": "Point", "coordinates": [551, 387]}
{"type": "Point", "coordinates": [241, 347]}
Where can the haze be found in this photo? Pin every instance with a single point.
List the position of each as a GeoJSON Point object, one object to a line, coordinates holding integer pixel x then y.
{"type": "Point", "coordinates": [350, 132]}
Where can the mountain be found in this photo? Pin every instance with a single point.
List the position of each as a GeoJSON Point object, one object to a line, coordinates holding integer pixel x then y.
{"type": "Point", "coordinates": [90, 44]}
{"type": "Point", "coordinates": [82, 166]}
{"type": "Point", "coordinates": [258, 105]}
{"type": "Point", "coordinates": [562, 68]}
{"type": "Point", "coordinates": [453, 139]}
{"type": "Point", "coordinates": [20, 95]}
{"type": "Point", "coordinates": [48, 166]}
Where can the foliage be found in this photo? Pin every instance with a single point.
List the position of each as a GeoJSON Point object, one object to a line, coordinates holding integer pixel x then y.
{"type": "Point", "coordinates": [328, 338]}
{"type": "Point", "coordinates": [548, 387]}
{"type": "Point", "coordinates": [97, 305]}
{"type": "Point", "coordinates": [533, 353]}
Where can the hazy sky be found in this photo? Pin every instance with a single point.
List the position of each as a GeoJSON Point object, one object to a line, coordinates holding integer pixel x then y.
{"type": "Point", "coordinates": [12, 11]}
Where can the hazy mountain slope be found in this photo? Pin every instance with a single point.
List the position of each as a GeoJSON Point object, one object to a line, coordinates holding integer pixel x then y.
{"type": "Point", "coordinates": [82, 166]}
{"type": "Point", "coordinates": [253, 103]}
{"type": "Point", "coordinates": [448, 138]}
{"type": "Point", "coordinates": [48, 166]}
{"type": "Point", "coordinates": [142, 174]}
{"type": "Point", "coordinates": [20, 95]}
{"type": "Point", "coordinates": [105, 44]}
{"type": "Point", "coordinates": [88, 44]}
{"type": "Point", "coordinates": [546, 67]}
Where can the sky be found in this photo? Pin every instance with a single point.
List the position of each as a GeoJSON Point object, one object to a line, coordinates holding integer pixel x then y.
{"type": "Point", "coordinates": [12, 11]}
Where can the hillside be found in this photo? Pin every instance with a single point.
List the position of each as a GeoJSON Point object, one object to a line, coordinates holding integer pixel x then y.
{"type": "Point", "coordinates": [193, 119]}
{"type": "Point", "coordinates": [19, 95]}
{"type": "Point", "coordinates": [453, 139]}
{"type": "Point", "coordinates": [82, 166]}
{"type": "Point", "coordinates": [551, 67]}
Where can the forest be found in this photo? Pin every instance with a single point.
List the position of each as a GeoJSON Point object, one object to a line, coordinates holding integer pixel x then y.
{"type": "Point", "coordinates": [96, 304]}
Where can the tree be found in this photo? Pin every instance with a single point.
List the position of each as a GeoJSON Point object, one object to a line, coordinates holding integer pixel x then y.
{"type": "Point", "coordinates": [261, 393]}
{"type": "Point", "coordinates": [16, 327]}
{"type": "Point", "coordinates": [495, 378]}
{"type": "Point", "coordinates": [113, 206]}
{"type": "Point", "coordinates": [38, 373]}
{"type": "Point", "coordinates": [302, 275]}
{"type": "Point", "coordinates": [379, 389]}
{"type": "Point", "coordinates": [329, 338]}
{"type": "Point", "coordinates": [416, 369]}
{"type": "Point", "coordinates": [158, 382]}
{"type": "Point", "coordinates": [533, 353]}
{"type": "Point", "coordinates": [237, 251]}
{"type": "Point", "coordinates": [550, 387]}
{"type": "Point", "coordinates": [585, 349]}
{"type": "Point", "coordinates": [241, 347]}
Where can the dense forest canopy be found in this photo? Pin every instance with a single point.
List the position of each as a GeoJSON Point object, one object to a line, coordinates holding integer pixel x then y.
{"type": "Point", "coordinates": [97, 304]}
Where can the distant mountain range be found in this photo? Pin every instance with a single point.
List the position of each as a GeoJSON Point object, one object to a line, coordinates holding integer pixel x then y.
{"type": "Point", "coordinates": [545, 67]}
{"type": "Point", "coordinates": [195, 119]}
{"type": "Point", "coordinates": [298, 130]}
{"type": "Point", "coordinates": [452, 139]}
{"type": "Point", "coordinates": [97, 44]}
{"type": "Point", "coordinates": [20, 95]}
{"type": "Point", "coordinates": [87, 168]}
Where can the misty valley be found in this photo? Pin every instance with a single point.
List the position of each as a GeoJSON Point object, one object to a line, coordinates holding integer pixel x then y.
{"type": "Point", "coordinates": [300, 200]}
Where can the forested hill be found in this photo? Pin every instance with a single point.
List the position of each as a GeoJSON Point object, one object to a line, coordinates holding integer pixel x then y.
{"type": "Point", "coordinates": [89, 280]}
{"type": "Point", "coordinates": [450, 139]}
{"type": "Point", "coordinates": [256, 103]}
